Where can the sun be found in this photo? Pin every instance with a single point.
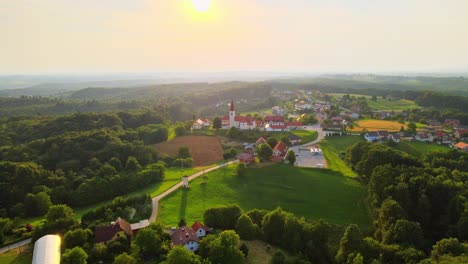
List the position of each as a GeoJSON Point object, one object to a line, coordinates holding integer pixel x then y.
{"type": "Point", "coordinates": [201, 6]}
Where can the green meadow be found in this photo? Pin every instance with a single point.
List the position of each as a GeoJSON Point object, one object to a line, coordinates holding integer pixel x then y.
{"type": "Point", "coordinates": [305, 135]}
{"type": "Point", "coordinates": [312, 193]}
{"type": "Point", "coordinates": [332, 147]}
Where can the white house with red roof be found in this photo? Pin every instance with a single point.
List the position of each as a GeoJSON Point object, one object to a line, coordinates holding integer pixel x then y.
{"type": "Point", "coordinates": [201, 123]}
{"type": "Point", "coordinates": [185, 237]}
{"type": "Point", "coordinates": [279, 152]}
{"type": "Point", "coordinates": [200, 229]}
{"type": "Point", "coordinates": [240, 122]}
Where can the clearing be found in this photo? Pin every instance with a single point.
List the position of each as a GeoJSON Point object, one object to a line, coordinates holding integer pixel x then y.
{"type": "Point", "coordinates": [312, 193]}
{"type": "Point", "coordinates": [305, 135]}
{"type": "Point", "coordinates": [419, 149]}
{"type": "Point", "coordinates": [375, 125]}
{"type": "Point", "coordinates": [205, 150]}
{"type": "Point", "coordinates": [332, 147]}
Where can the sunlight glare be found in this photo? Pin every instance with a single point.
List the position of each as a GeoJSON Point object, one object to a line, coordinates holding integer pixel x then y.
{"type": "Point", "coordinates": [201, 6]}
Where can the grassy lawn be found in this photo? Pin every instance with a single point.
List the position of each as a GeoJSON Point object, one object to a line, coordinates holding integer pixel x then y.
{"type": "Point", "coordinates": [419, 149]}
{"type": "Point", "coordinates": [14, 257]}
{"type": "Point", "coordinates": [259, 253]}
{"type": "Point", "coordinates": [332, 146]}
{"type": "Point", "coordinates": [312, 193]}
{"type": "Point", "coordinates": [396, 105]}
{"type": "Point", "coordinates": [305, 135]}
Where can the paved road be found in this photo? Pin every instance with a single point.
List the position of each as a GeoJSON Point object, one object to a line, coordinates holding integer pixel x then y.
{"type": "Point", "coordinates": [156, 199]}
{"type": "Point", "coordinates": [306, 158]}
{"type": "Point", "coordinates": [15, 245]}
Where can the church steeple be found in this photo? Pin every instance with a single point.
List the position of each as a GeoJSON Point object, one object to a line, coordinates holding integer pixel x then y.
{"type": "Point", "coordinates": [232, 115]}
{"type": "Point", "coordinates": [232, 105]}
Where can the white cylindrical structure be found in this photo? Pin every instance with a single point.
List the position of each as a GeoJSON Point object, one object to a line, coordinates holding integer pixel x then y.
{"type": "Point", "coordinates": [47, 250]}
{"type": "Point", "coordinates": [185, 182]}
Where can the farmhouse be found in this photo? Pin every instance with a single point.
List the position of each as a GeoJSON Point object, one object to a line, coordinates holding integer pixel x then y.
{"type": "Point", "coordinates": [452, 122]}
{"type": "Point", "coordinates": [279, 152]}
{"type": "Point", "coordinates": [110, 232]}
{"type": "Point", "coordinates": [185, 237]}
{"type": "Point", "coordinates": [240, 122]}
{"type": "Point", "coordinates": [246, 158]}
{"type": "Point", "coordinates": [261, 140]}
{"type": "Point", "coordinates": [201, 123]}
{"type": "Point", "coordinates": [424, 137]}
{"type": "Point", "coordinates": [200, 229]}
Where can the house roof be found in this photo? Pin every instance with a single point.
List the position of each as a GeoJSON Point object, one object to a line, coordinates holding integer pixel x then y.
{"type": "Point", "coordinates": [245, 156]}
{"type": "Point", "coordinates": [274, 126]}
{"type": "Point", "coordinates": [383, 133]}
{"type": "Point", "coordinates": [244, 119]}
{"type": "Point", "coordinates": [461, 145]}
{"type": "Point", "coordinates": [140, 225]}
{"type": "Point", "coordinates": [274, 119]}
{"type": "Point", "coordinates": [183, 235]}
{"type": "Point", "coordinates": [106, 233]}
{"type": "Point", "coordinates": [261, 140]}
{"type": "Point", "coordinates": [197, 225]}
{"type": "Point", "coordinates": [281, 147]}
{"type": "Point", "coordinates": [296, 124]}
{"type": "Point", "coordinates": [226, 117]}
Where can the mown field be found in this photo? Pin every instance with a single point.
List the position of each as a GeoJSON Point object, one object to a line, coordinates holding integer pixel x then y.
{"type": "Point", "coordinates": [332, 146]}
{"type": "Point", "coordinates": [15, 257]}
{"type": "Point", "coordinates": [306, 135]}
{"type": "Point", "coordinates": [375, 125]}
{"type": "Point", "coordinates": [395, 105]}
{"type": "Point", "coordinates": [205, 150]}
{"type": "Point", "coordinates": [312, 193]}
{"type": "Point", "coordinates": [419, 149]}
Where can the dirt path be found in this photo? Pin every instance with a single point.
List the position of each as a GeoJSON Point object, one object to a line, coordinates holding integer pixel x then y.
{"type": "Point", "coordinates": [154, 213]}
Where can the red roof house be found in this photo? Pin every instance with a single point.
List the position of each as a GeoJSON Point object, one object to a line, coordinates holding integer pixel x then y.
{"type": "Point", "coordinates": [106, 233]}
{"type": "Point", "coordinates": [246, 157]}
{"type": "Point", "coordinates": [261, 140]}
{"type": "Point", "coordinates": [200, 229]}
{"type": "Point", "coordinates": [279, 152]}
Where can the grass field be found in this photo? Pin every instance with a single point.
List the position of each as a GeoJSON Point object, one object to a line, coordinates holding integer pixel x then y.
{"type": "Point", "coordinates": [15, 257]}
{"type": "Point", "coordinates": [332, 146]}
{"type": "Point", "coordinates": [396, 105]}
{"type": "Point", "coordinates": [305, 135]}
{"type": "Point", "coordinates": [259, 253]}
{"type": "Point", "coordinates": [204, 150]}
{"type": "Point", "coordinates": [312, 193]}
{"type": "Point", "coordinates": [419, 149]}
{"type": "Point", "coordinates": [375, 125]}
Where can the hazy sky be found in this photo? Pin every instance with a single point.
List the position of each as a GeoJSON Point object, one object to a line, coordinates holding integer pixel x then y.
{"type": "Point", "coordinates": [53, 36]}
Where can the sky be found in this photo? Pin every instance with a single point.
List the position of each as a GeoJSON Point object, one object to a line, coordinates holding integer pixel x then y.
{"type": "Point", "coordinates": [105, 36]}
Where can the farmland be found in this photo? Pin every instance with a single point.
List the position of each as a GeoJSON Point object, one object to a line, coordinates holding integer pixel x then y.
{"type": "Point", "coordinates": [389, 105]}
{"type": "Point", "coordinates": [205, 150]}
{"type": "Point", "coordinates": [375, 125]}
{"type": "Point", "coordinates": [419, 149]}
{"type": "Point", "coordinates": [312, 193]}
{"type": "Point", "coordinates": [332, 146]}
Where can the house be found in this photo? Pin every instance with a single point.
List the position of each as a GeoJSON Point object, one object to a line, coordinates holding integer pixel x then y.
{"type": "Point", "coordinates": [185, 237]}
{"type": "Point", "coordinates": [259, 141]}
{"type": "Point", "coordinates": [279, 152]}
{"type": "Point", "coordinates": [424, 137]}
{"type": "Point", "coordinates": [274, 120]}
{"type": "Point", "coordinates": [395, 138]}
{"type": "Point", "coordinates": [337, 120]}
{"type": "Point", "coordinates": [371, 136]}
{"type": "Point", "coordinates": [47, 250]}
{"type": "Point", "coordinates": [246, 158]}
{"type": "Point", "coordinates": [200, 229]}
{"type": "Point", "coordinates": [462, 146]}
{"type": "Point", "coordinates": [405, 136]}
{"type": "Point", "coordinates": [293, 125]}
{"type": "Point", "coordinates": [110, 232]}
{"type": "Point", "coordinates": [201, 123]}
{"type": "Point", "coordinates": [383, 134]}
{"type": "Point", "coordinates": [249, 147]}
{"type": "Point", "coordinates": [354, 115]}
{"type": "Point", "coordinates": [301, 106]}
{"type": "Point", "coordinates": [295, 140]}
{"type": "Point", "coordinates": [274, 128]}
{"type": "Point", "coordinates": [278, 110]}
{"type": "Point", "coordinates": [452, 122]}
{"type": "Point", "coordinates": [240, 122]}
{"type": "Point", "coordinates": [460, 133]}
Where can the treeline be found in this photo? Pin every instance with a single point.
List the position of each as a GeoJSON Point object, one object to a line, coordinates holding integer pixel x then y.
{"type": "Point", "coordinates": [414, 203]}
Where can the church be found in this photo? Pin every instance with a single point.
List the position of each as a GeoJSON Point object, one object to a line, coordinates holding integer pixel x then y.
{"type": "Point", "coordinates": [240, 122]}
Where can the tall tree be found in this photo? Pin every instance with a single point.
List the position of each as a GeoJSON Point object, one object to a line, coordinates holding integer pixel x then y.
{"type": "Point", "coordinates": [217, 123]}
{"type": "Point", "coordinates": [181, 255]}
{"type": "Point", "coordinates": [74, 256]}
{"type": "Point", "coordinates": [264, 151]}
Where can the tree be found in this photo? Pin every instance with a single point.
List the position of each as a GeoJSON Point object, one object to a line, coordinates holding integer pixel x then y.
{"type": "Point", "coordinates": [291, 157]}
{"type": "Point", "coordinates": [404, 232]}
{"type": "Point", "coordinates": [124, 258]}
{"type": "Point", "coordinates": [222, 217]}
{"type": "Point", "coordinates": [244, 249]}
{"type": "Point", "coordinates": [37, 204]}
{"type": "Point", "coordinates": [447, 246]}
{"type": "Point", "coordinates": [77, 238]}
{"type": "Point", "coordinates": [264, 151]}
{"type": "Point", "coordinates": [278, 258]}
{"type": "Point", "coordinates": [246, 228]}
{"type": "Point", "coordinates": [184, 153]}
{"type": "Point", "coordinates": [241, 169]}
{"type": "Point", "coordinates": [412, 128]}
{"type": "Point", "coordinates": [272, 141]}
{"type": "Point", "coordinates": [390, 212]}
{"type": "Point", "coordinates": [74, 256]}
{"type": "Point", "coordinates": [132, 164]}
{"type": "Point", "coordinates": [60, 216]}
{"type": "Point", "coordinates": [374, 98]}
{"type": "Point", "coordinates": [152, 241]}
{"type": "Point", "coordinates": [285, 139]}
{"type": "Point", "coordinates": [180, 130]}
{"type": "Point", "coordinates": [115, 162]}
{"type": "Point", "coordinates": [217, 123]}
{"type": "Point", "coordinates": [273, 226]}
{"type": "Point", "coordinates": [181, 255]}
{"type": "Point", "coordinates": [351, 242]}
{"type": "Point", "coordinates": [223, 248]}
